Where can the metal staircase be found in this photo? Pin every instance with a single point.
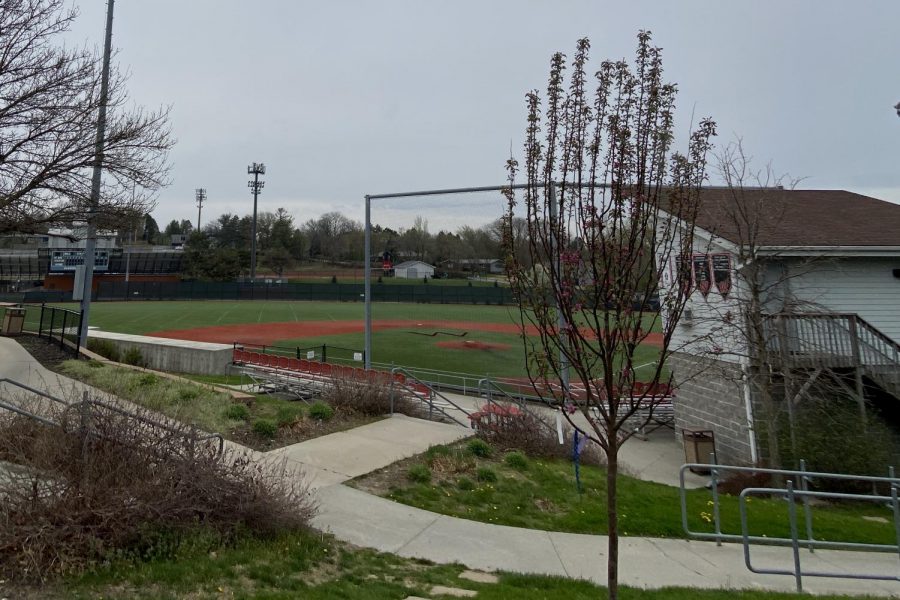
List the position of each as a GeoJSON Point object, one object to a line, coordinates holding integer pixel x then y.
{"type": "Point", "coordinates": [835, 340]}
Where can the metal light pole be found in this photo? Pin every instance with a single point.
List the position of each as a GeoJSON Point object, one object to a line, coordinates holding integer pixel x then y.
{"type": "Point", "coordinates": [256, 186]}
{"type": "Point", "coordinates": [91, 242]}
{"type": "Point", "coordinates": [200, 195]}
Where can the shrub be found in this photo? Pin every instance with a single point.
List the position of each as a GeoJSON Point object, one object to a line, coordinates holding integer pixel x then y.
{"type": "Point", "coordinates": [133, 356]}
{"type": "Point", "coordinates": [288, 415]}
{"type": "Point", "coordinates": [438, 450]}
{"type": "Point", "coordinates": [465, 484]}
{"type": "Point", "coordinates": [147, 380]}
{"type": "Point", "coordinates": [188, 393]}
{"type": "Point", "coordinates": [480, 448]}
{"type": "Point", "coordinates": [535, 435]}
{"type": "Point", "coordinates": [130, 491]}
{"type": "Point", "coordinates": [265, 428]}
{"type": "Point", "coordinates": [237, 412]}
{"type": "Point", "coordinates": [105, 348]}
{"type": "Point", "coordinates": [321, 411]}
{"type": "Point", "coordinates": [419, 473]}
{"type": "Point", "coordinates": [486, 475]}
{"type": "Point", "coordinates": [334, 279]}
{"type": "Point", "coordinates": [362, 397]}
{"type": "Point", "coordinates": [453, 461]}
{"type": "Point", "coordinates": [516, 460]}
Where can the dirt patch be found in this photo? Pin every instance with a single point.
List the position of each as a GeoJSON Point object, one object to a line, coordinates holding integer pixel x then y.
{"type": "Point", "coordinates": [473, 345]}
{"type": "Point", "coordinates": [269, 333]}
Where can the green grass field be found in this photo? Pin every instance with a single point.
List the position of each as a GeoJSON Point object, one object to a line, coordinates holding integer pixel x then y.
{"type": "Point", "coordinates": [392, 346]}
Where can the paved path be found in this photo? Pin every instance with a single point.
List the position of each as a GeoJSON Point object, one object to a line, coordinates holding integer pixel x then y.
{"type": "Point", "coordinates": [374, 522]}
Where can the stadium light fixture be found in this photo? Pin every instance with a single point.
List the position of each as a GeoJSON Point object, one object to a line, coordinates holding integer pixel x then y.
{"type": "Point", "coordinates": [256, 186]}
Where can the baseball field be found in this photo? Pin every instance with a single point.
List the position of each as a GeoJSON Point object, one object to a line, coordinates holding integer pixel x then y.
{"type": "Point", "coordinates": [474, 339]}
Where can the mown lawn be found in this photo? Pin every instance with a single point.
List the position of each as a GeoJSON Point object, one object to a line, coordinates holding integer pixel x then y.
{"type": "Point", "coordinates": [544, 495]}
{"type": "Point", "coordinates": [315, 567]}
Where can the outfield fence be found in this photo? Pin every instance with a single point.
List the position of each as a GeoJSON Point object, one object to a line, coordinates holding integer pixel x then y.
{"type": "Point", "coordinates": [341, 292]}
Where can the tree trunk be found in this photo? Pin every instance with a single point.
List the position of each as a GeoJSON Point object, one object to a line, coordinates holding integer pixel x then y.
{"type": "Point", "coordinates": [612, 518]}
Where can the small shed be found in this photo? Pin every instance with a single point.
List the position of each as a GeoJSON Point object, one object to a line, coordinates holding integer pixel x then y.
{"type": "Point", "coordinates": [413, 269]}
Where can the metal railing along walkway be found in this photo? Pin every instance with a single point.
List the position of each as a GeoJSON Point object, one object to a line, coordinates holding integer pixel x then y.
{"type": "Point", "coordinates": [796, 491]}
{"type": "Point", "coordinates": [86, 407]}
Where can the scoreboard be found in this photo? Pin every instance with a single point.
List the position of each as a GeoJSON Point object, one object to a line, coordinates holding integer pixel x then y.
{"type": "Point", "coordinates": [62, 261]}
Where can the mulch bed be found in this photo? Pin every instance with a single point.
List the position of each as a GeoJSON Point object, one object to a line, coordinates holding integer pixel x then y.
{"type": "Point", "coordinates": [49, 354]}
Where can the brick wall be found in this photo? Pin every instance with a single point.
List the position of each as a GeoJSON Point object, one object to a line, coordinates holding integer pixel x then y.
{"type": "Point", "coordinates": [709, 396]}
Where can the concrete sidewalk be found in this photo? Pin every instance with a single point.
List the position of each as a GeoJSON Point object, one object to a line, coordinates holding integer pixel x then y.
{"type": "Point", "coordinates": [365, 520]}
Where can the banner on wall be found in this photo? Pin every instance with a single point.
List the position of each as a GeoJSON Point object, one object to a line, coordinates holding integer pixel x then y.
{"type": "Point", "coordinates": [721, 264]}
{"type": "Point", "coordinates": [702, 273]}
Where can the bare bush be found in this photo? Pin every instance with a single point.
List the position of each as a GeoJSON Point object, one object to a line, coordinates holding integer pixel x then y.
{"type": "Point", "coordinates": [365, 398]}
{"type": "Point", "coordinates": [536, 436]}
{"type": "Point", "coordinates": [104, 483]}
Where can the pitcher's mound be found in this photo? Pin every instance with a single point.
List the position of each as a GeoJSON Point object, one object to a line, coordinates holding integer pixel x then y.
{"type": "Point", "coordinates": [472, 345]}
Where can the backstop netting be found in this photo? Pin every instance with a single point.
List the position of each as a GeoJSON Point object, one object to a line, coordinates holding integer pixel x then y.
{"type": "Point", "coordinates": [441, 306]}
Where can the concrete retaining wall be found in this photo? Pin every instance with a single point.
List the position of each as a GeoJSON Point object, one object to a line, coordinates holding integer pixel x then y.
{"type": "Point", "coordinates": [175, 356]}
{"type": "Point", "coordinates": [710, 396]}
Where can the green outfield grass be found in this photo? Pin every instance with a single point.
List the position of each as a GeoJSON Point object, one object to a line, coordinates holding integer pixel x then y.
{"type": "Point", "coordinates": [397, 346]}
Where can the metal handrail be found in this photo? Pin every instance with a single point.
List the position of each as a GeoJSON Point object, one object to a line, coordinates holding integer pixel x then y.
{"type": "Point", "coordinates": [88, 402]}
{"type": "Point", "coordinates": [790, 494]}
{"type": "Point", "coordinates": [801, 474]}
{"type": "Point", "coordinates": [430, 399]}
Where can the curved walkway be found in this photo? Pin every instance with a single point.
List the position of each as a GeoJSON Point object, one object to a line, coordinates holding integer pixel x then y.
{"type": "Point", "coordinates": [366, 520]}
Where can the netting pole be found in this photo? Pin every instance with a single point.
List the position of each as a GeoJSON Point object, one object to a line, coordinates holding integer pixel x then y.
{"type": "Point", "coordinates": [367, 278]}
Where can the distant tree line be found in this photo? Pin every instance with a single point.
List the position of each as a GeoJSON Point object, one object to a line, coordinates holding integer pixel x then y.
{"type": "Point", "coordinates": [221, 250]}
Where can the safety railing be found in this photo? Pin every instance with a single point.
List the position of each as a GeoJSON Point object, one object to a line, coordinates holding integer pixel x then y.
{"type": "Point", "coordinates": [428, 398]}
{"type": "Point", "coordinates": [794, 494]}
{"type": "Point", "coordinates": [320, 352]}
{"type": "Point", "coordinates": [88, 406]}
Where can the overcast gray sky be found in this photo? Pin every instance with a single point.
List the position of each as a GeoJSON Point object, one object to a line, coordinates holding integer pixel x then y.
{"type": "Point", "coordinates": [343, 98]}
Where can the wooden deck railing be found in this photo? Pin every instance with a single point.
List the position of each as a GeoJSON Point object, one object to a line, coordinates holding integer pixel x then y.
{"type": "Point", "coordinates": [832, 340]}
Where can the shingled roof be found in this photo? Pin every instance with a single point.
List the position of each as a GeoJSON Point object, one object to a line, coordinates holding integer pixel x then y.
{"type": "Point", "coordinates": [800, 218]}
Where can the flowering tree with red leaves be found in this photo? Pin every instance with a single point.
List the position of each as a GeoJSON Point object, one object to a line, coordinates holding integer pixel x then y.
{"type": "Point", "coordinates": [609, 207]}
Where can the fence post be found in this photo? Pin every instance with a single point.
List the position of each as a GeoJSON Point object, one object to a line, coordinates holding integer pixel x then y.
{"type": "Point", "coordinates": [41, 324]}
{"type": "Point", "coordinates": [896, 507]}
{"type": "Point", "coordinates": [62, 334]}
{"type": "Point", "coordinates": [804, 486]}
{"type": "Point", "coordinates": [298, 352]}
{"type": "Point", "coordinates": [714, 482]}
{"type": "Point", "coordinates": [324, 356]}
{"type": "Point", "coordinates": [78, 337]}
{"type": "Point", "coordinates": [795, 544]}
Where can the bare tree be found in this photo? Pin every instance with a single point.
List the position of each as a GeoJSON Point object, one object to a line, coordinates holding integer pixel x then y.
{"type": "Point", "coordinates": [49, 98]}
{"type": "Point", "coordinates": [598, 172]}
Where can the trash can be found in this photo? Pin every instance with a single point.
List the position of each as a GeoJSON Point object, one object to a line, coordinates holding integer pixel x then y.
{"type": "Point", "coordinates": [699, 444]}
{"type": "Point", "coordinates": [13, 320]}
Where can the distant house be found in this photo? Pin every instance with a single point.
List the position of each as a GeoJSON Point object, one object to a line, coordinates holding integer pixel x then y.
{"type": "Point", "coordinates": [830, 306]}
{"type": "Point", "coordinates": [413, 269]}
{"type": "Point", "coordinates": [494, 266]}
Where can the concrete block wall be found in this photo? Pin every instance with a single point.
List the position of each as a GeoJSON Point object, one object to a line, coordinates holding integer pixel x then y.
{"type": "Point", "coordinates": [173, 356]}
{"type": "Point", "coordinates": [709, 395]}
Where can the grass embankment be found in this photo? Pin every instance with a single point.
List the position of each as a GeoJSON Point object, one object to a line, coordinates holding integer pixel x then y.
{"type": "Point", "coordinates": [264, 423]}
{"type": "Point", "coordinates": [542, 494]}
{"type": "Point", "coordinates": [314, 567]}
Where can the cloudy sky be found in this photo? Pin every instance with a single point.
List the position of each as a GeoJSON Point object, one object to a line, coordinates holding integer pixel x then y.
{"type": "Point", "coordinates": [343, 98]}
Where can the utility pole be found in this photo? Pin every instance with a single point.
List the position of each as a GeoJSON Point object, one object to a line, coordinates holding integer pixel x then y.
{"type": "Point", "coordinates": [200, 195]}
{"type": "Point", "coordinates": [256, 186]}
{"type": "Point", "coordinates": [91, 242]}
